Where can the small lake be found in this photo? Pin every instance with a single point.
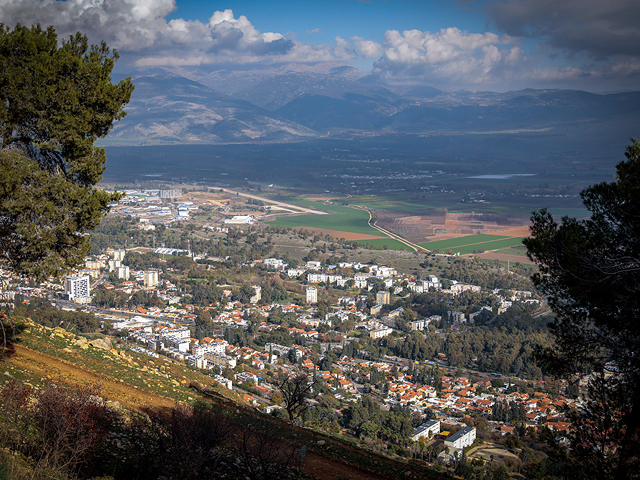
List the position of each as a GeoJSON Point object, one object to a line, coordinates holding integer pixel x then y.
{"type": "Point", "coordinates": [504, 176]}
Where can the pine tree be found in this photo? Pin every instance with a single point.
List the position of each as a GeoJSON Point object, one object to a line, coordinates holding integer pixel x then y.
{"type": "Point", "coordinates": [55, 102]}
{"type": "Point", "coordinates": [590, 273]}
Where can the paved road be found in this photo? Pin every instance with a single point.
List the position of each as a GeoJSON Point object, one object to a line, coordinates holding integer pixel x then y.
{"type": "Point", "coordinates": [288, 206]}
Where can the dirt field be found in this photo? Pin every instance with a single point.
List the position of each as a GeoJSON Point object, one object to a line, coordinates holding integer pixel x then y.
{"type": "Point", "coordinates": [339, 234]}
{"type": "Point", "coordinates": [514, 232]}
{"type": "Point", "coordinates": [56, 369]}
{"type": "Point", "coordinates": [424, 228]}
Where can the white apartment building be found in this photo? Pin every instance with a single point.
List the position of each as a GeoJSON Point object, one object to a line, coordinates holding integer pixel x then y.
{"type": "Point", "coordinates": [312, 295]}
{"type": "Point", "coordinates": [462, 438]}
{"type": "Point", "coordinates": [383, 298]}
{"type": "Point", "coordinates": [213, 347]}
{"type": "Point", "coordinates": [432, 426]}
{"type": "Point", "coordinates": [123, 272]}
{"type": "Point", "coordinates": [222, 361]}
{"type": "Point", "coordinates": [151, 278]}
{"type": "Point", "coordinates": [380, 332]}
{"type": "Point", "coordinates": [77, 287]}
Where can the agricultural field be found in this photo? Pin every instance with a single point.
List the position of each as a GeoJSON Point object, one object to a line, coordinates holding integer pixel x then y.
{"type": "Point", "coordinates": [461, 241]}
{"type": "Point", "coordinates": [473, 243]}
{"type": "Point", "coordinates": [343, 222]}
{"type": "Point", "coordinates": [389, 242]}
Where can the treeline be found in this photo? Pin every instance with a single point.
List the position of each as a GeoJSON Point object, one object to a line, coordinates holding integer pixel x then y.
{"type": "Point", "coordinates": [42, 312]}
{"type": "Point", "coordinates": [105, 298]}
{"type": "Point", "coordinates": [505, 345]}
{"type": "Point", "coordinates": [368, 420]}
{"type": "Point", "coordinates": [490, 275]}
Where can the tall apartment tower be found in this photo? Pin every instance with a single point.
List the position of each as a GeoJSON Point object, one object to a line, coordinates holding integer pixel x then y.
{"type": "Point", "coordinates": [312, 295]}
{"type": "Point", "coordinates": [383, 298]}
{"type": "Point", "coordinates": [77, 287]}
{"type": "Point", "coordinates": [151, 278]}
{"type": "Point", "coordinates": [113, 265]}
{"type": "Point", "coordinates": [119, 254]}
{"type": "Point", "coordinates": [123, 272]}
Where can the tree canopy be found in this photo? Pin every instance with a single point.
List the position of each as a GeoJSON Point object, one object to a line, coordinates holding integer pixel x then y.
{"type": "Point", "coordinates": [590, 273]}
{"type": "Point", "coordinates": [57, 99]}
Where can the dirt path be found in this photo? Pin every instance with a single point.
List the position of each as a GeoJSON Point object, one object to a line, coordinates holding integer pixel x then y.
{"type": "Point", "coordinates": [47, 366]}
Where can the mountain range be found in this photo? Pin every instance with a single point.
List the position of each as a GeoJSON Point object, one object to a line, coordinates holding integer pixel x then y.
{"type": "Point", "coordinates": [291, 103]}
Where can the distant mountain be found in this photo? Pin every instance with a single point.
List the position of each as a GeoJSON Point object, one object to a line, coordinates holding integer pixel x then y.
{"type": "Point", "coordinates": [168, 108]}
{"type": "Point", "coordinates": [297, 102]}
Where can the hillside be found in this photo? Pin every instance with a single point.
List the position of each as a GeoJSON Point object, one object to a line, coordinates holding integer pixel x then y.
{"type": "Point", "coordinates": [292, 104]}
{"type": "Point", "coordinates": [130, 381]}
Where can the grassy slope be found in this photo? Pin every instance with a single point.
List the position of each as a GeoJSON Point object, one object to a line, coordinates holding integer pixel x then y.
{"type": "Point", "coordinates": [136, 380]}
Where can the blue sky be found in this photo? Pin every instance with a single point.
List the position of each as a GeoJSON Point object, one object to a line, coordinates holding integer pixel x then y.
{"type": "Point", "coordinates": [466, 44]}
{"type": "Point", "coordinates": [337, 17]}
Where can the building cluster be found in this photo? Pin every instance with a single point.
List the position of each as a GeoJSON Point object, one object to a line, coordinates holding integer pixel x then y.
{"type": "Point", "coordinates": [153, 206]}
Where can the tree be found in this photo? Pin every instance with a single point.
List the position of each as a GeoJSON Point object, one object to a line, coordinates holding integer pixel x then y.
{"type": "Point", "coordinates": [55, 102]}
{"type": "Point", "coordinates": [294, 393]}
{"type": "Point", "coordinates": [590, 272]}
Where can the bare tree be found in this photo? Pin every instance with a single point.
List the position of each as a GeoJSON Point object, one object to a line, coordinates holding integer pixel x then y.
{"type": "Point", "coordinates": [294, 392]}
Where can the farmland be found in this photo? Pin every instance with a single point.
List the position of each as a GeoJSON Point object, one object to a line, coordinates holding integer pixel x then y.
{"type": "Point", "coordinates": [473, 243]}
{"type": "Point", "coordinates": [345, 219]}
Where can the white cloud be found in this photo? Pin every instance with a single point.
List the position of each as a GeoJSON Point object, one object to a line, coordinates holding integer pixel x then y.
{"type": "Point", "coordinates": [140, 28]}
{"type": "Point", "coordinates": [450, 56]}
{"type": "Point", "coordinates": [367, 48]}
{"type": "Point", "coordinates": [124, 24]}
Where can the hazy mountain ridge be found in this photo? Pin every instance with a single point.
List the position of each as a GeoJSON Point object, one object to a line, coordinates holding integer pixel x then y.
{"type": "Point", "coordinates": [175, 109]}
{"type": "Point", "coordinates": [294, 103]}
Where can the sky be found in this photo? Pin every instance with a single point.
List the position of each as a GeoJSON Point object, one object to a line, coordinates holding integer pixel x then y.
{"type": "Point", "coordinates": [496, 45]}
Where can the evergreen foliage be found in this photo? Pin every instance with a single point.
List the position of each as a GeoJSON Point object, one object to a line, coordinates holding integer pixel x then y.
{"type": "Point", "coordinates": [55, 102]}
{"type": "Point", "coordinates": [590, 272]}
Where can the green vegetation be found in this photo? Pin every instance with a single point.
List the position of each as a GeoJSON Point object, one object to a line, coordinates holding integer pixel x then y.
{"type": "Point", "coordinates": [589, 270]}
{"type": "Point", "coordinates": [347, 219]}
{"type": "Point", "coordinates": [461, 241]}
{"type": "Point", "coordinates": [56, 101]}
{"type": "Point", "coordinates": [391, 244]}
{"type": "Point", "coordinates": [473, 243]}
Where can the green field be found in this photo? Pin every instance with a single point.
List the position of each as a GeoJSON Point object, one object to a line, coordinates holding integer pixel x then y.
{"type": "Point", "coordinates": [461, 241]}
{"type": "Point", "coordinates": [389, 242]}
{"type": "Point", "coordinates": [471, 243]}
{"type": "Point", "coordinates": [508, 242]}
{"type": "Point", "coordinates": [346, 219]}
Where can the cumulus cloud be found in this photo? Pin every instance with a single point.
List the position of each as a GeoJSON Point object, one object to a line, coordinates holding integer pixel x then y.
{"type": "Point", "coordinates": [367, 48]}
{"type": "Point", "coordinates": [599, 28]}
{"type": "Point", "coordinates": [124, 24]}
{"type": "Point", "coordinates": [139, 28]}
{"type": "Point", "coordinates": [450, 55]}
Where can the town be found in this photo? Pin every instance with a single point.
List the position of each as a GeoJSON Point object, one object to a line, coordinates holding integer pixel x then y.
{"type": "Point", "coordinates": [355, 332]}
